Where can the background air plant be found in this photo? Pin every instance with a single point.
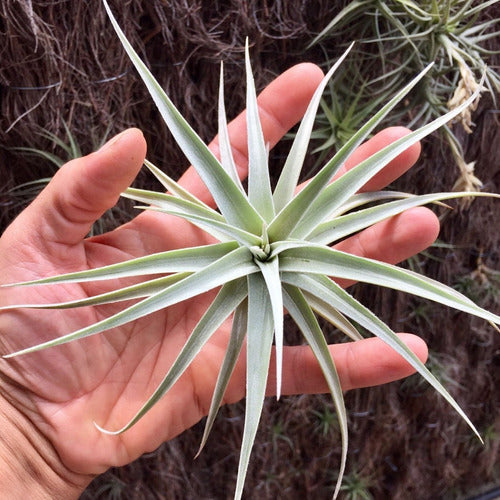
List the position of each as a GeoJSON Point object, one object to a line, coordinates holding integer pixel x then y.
{"type": "Point", "coordinates": [27, 191]}
{"type": "Point", "coordinates": [396, 39]}
{"type": "Point", "coordinates": [272, 252]}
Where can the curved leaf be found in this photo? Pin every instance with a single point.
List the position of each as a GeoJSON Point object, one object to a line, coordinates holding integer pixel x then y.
{"type": "Point", "coordinates": [236, 264]}
{"type": "Point", "coordinates": [230, 295]}
{"type": "Point", "coordinates": [303, 316]}
{"type": "Point", "coordinates": [183, 260]}
{"type": "Point", "coordinates": [259, 343]}
{"type": "Point", "coordinates": [340, 227]}
{"type": "Point", "coordinates": [324, 260]}
{"type": "Point", "coordinates": [238, 332]}
{"type": "Point", "coordinates": [259, 183]}
{"type": "Point", "coordinates": [230, 200]}
{"type": "Point", "coordinates": [326, 289]}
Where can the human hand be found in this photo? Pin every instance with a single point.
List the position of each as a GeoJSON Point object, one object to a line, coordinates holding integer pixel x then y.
{"type": "Point", "coordinates": [51, 398]}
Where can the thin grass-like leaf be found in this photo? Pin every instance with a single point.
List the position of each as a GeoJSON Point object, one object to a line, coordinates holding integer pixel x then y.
{"type": "Point", "coordinates": [52, 158]}
{"type": "Point", "coordinates": [170, 185]}
{"type": "Point", "coordinates": [287, 220]}
{"type": "Point", "coordinates": [60, 142]}
{"type": "Point", "coordinates": [281, 246]}
{"type": "Point", "coordinates": [389, 15]}
{"type": "Point", "coordinates": [480, 27]}
{"type": "Point", "coordinates": [230, 200]}
{"type": "Point", "coordinates": [333, 316]}
{"type": "Point", "coordinates": [351, 8]}
{"type": "Point", "coordinates": [289, 177]}
{"type": "Point", "coordinates": [361, 199]}
{"type": "Point", "coordinates": [345, 225]}
{"type": "Point", "coordinates": [137, 291]}
{"type": "Point", "coordinates": [74, 148]}
{"type": "Point", "coordinates": [238, 332]}
{"type": "Point", "coordinates": [303, 316]}
{"type": "Point", "coordinates": [259, 183]}
{"type": "Point", "coordinates": [226, 152]}
{"type": "Point", "coordinates": [235, 265]}
{"type": "Point", "coordinates": [197, 213]}
{"type": "Point", "coordinates": [474, 10]}
{"type": "Point", "coordinates": [328, 290]}
{"type": "Point", "coordinates": [228, 298]}
{"type": "Point", "coordinates": [217, 229]}
{"type": "Point", "coordinates": [277, 254]}
{"type": "Point", "coordinates": [271, 272]}
{"type": "Point", "coordinates": [324, 260]}
{"type": "Point", "coordinates": [259, 343]}
{"type": "Point", "coordinates": [349, 183]}
{"type": "Point", "coordinates": [183, 260]}
{"type": "Point", "coordinates": [169, 202]}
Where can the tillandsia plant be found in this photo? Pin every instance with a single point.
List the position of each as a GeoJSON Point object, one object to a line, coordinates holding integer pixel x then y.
{"type": "Point", "coordinates": [270, 251]}
{"type": "Point", "coordinates": [395, 39]}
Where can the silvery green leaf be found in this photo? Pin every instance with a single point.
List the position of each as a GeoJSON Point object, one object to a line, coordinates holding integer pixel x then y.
{"type": "Point", "coordinates": [170, 185]}
{"type": "Point", "coordinates": [281, 246]}
{"type": "Point", "coordinates": [238, 332]}
{"type": "Point", "coordinates": [340, 190]}
{"type": "Point", "coordinates": [481, 27]}
{"type": "Point", "coordinates": [137, 291]}
{"type": "Point", "coordinates": [228, 298]}
{"type": "Point", "coordinates": [236, 264]}
{"type": "Point", "coordinates": [303, 316]}
{"type": "Point", "coordinates": [230, 200]}
{"type": "Point", "coordinates": [351, 7]}
{"type": "Point", "coordinates": [324, 260]}
{"type": "Point", "coordinates": [340, 227]}
{"type": "Point", "coordinates": [291, 271]}
{"type": "Point", "coordinates": [183, 260]}
{"type": "Point", "coordinates": [328, 290]}
{"type": "Point", "coordinates": [361, 199]}
{"type": "Point", "coordinates": [271, 272]}
{"type": "Point", "coordinates": [289, 177]}
{"type": "Point", "coordinates": [170, 202]}
{"type": "Point", "coordinates": [259, 184]}
{"type": "Point", "coordinates": [477, 8]}
{"type": "Point", "coordinates": [198, 214]}
{"type": "Point", "coordinates": [217, 229]}
{"type": "Point", "coordinates": [291, 216]}
{"type": "Point", "coordinates": [226, 153]}
{"type": "Point", "coordinates": [403, 32]}
{"type": "Point", "coordinates": [333, 316]}
{"type": "Point", "coordinates": [259, 343]}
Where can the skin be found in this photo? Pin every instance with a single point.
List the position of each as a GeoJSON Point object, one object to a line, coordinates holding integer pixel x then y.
{"type": "Point", "coordinates": [50, 399]}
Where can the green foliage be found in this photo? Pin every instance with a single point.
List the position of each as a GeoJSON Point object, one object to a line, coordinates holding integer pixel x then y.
{"type": "Point", "coordinates": [69, 150]}
{"type": "Point", "coordinates": [394, 40]}
{"type": "Point", "coordinates": [356, 487]}
{"type": "Point", "coordinates": [327, 421]}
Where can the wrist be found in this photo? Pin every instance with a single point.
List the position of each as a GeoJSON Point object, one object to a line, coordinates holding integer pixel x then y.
{"type": "Point", "coordinates": [29, 465]}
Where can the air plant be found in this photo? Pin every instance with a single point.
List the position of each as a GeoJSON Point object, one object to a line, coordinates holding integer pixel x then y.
{"type": "Point", "coordinates": [271, 252]}
{"type": "Point", "coordinates": [397, 38]}
{"type": "Point", "coordinates": [26, 192]}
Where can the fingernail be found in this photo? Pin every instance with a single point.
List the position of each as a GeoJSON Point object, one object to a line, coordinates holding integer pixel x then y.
{"type": "Point", "coordinates": [112, 141]}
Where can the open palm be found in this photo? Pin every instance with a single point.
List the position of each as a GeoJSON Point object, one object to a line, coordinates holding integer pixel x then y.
{"type": "Point", "coordinates": [106, 378]}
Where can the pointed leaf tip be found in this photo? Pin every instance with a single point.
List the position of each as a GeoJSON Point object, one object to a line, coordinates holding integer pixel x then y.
{"type": "Point", "coordinates": [106, 431]}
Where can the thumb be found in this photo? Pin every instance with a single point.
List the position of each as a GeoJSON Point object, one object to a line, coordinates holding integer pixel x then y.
{"type": "Point", "coordinates": [82, 190]}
